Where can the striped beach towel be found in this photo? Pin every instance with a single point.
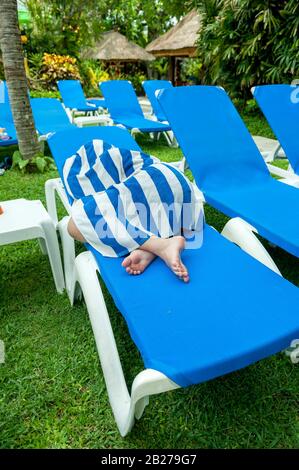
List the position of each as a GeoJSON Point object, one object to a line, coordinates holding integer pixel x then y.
{"type": "Point", "coordinates": [123, 197]}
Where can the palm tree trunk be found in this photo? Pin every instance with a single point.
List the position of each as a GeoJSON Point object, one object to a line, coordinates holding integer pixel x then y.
{"type": "Point", "coordinates": [13, 61]}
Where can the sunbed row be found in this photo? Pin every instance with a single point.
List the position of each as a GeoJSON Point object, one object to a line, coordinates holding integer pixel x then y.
{"type": "Point", "coordinates": [278, 102]}
{"type": "Point", "coordinates": [238, 308]}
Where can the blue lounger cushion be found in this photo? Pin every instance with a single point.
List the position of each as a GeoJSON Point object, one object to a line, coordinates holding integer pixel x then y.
{"type": "Point", "coordinates": [49, 116]}
{"type": "Point", "coordinates": [223, 320]}
{"type": "Point", "coordinates": [280, 105]}
{"type": "Point", "coordinates": [228, 166]}
{"type": "Point", "coordinates": [125, 109]}
{"type": "Point", "coordinates": [150, 88]}
{"type": "Point", "coordinates": [73, 97]}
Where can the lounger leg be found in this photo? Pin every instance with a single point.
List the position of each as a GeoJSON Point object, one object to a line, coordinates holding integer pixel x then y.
{"type": "Point", "coordinates": [83, 271]}
{"type": "Point", "coordinates": [146, 383]}
{"type": "Point", "coordinates": [68, 248]}
{"type": "Point", "coordinates": [43, 246]}
{"type": "Point", "coordinates": [52, 187]}
{"type": "Point", "coordinates": [171, 140]}
{"type": "Point", "coordinates": [243, 234]}
{"type": "Point", "coordinates": [52, 247]}
{"type": "Point", "coordinates": [135, 131]}
{"type": "Point", "coordinates": [270, 156]}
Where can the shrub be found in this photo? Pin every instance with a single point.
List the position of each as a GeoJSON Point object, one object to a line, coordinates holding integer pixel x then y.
{"type": "Point", "coordinates": [40, 93]}
{"type": "Point", "coordinates": [92, 73]}
{"type": "Point", "coordinates": [35, 62]}
{"type": "Point", "coordinates": [136, 79]}
{"type": "Point", "coordinates": [191, 71]}
{"type": "Point", "coordinates": [58, 67]}
{"type": "Point", "coordinates": [38, 164]}
{"type": "Point", "coordinates": [244, 43]}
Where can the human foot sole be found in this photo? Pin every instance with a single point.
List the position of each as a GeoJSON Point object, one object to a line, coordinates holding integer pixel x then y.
{"type": "Point", "coordinates": [137, 261]}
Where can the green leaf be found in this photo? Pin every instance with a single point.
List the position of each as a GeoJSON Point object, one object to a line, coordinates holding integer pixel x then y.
{"type": "Point", "coordinates": [23, 163]}
{"type": "Point", "coordinates": [40, 164]}
{"type": "Point", "coordinates": [16, 158]}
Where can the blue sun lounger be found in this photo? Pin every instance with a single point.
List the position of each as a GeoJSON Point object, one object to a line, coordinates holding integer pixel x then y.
{"type": "Point", "coordinates": [49, 116]}
{"type": "Point", "coordinates": [150, 88]}
{"type": "Point", "coordinates": [280, 105]}
{"type": "Point", "coordinates": [6, 119]}
{"type": "Point", "coordinates": [228, 166]}
{"type": "Point", "coordinates": [48, 113]}
{"type": "Point", "coordinates": [125, 109]}
{"type": "Point", "coordinates": [73, 97]}
{"type": "Point", "coordinates": [223, 320]}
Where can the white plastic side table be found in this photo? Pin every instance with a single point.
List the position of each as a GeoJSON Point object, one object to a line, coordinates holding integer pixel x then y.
{"type": "Point", "coordinates": [82, 121]}
{"type": "Point", "coordinates": [26, 220]}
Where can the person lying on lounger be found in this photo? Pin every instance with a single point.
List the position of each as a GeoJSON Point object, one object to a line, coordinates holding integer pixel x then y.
{"type": "Point", "coordinates": [128, 203]}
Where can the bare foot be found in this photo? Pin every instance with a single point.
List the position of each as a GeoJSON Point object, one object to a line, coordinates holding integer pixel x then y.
{"type": "Point", "coordinates": [137, 261]}
{"type": "Point", "coordinates": [171, 254]}
{"type": "Point", "coordinates": [169, 249]}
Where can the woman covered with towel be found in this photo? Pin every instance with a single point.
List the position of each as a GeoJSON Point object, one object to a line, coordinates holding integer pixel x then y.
{"type": "Point", "coordinates": [128, 203]}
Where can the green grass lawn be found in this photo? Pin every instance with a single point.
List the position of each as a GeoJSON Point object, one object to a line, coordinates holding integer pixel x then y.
{"type": "Point", "coordinates": [52, 390]}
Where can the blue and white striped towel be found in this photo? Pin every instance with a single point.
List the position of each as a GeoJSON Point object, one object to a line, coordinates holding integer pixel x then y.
{"type": "Point", "coordinates": [123, 197]}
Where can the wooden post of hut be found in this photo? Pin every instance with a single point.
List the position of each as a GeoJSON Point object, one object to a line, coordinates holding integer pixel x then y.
{"type": "Point", "coordinates": [178, 42]}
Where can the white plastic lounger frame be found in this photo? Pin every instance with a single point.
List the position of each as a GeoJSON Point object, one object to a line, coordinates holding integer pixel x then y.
{"type": "Point", "coordinates": [286, 176]}
{"type": "Point", "coordinates": [74, 115]}
{"type": "Point", "coordinates": [170, 139]}
{"type": "Point", "coordinates": [55, 187]}
{"type": "Point", "coordinates": [82, 271]}
{"type": "Point", "coordinates": [81, 274]}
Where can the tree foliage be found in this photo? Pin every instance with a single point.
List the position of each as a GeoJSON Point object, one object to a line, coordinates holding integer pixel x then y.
{"type": "Point", "coordinates": [247, 42]}
{"type": "Point", "coordinates": [64, 26]}
{"type": "Point", "coordinates": [144, 20]}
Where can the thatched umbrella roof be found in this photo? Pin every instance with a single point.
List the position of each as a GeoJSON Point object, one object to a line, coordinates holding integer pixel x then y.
{"type": "Point", "coordinates": [115, 47]}
{"type": "Point", "coordinates": [180, 40]}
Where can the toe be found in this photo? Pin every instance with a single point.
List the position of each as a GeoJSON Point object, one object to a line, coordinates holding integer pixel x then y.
{"type": "Point", "coordinates": [126, 262]}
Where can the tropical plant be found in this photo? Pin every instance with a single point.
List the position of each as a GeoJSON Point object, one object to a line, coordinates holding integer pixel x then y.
{"type": "Point", "coordinates": [92, 73]}
{"type": "Point", "coordinates": [13, 61]}
{"type": "Point", "coordinates": [191, 70]}
{"type": "Point", "coordinates": [57, 67]}
{"type": "Point", "coordinates": [35, 63]}
{"type": "Point", "coordinates": [159, 68]}
{"type": "Point", "coordinates": [243, 42]}
{"type": "Point", "coordinates": [38, 164]}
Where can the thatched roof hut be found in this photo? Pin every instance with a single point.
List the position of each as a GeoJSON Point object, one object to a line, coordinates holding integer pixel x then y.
{"type": "Point", "coordinates": [180, 40]}
{"type": "Point", "coordinates": [114, 47]}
